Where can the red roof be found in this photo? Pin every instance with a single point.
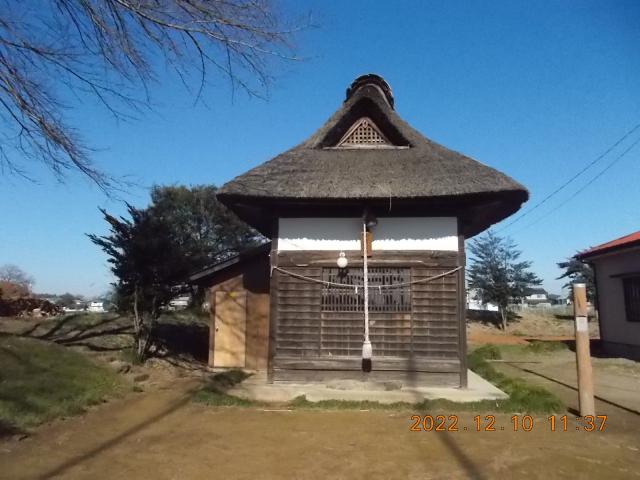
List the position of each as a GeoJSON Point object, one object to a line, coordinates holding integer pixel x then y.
{"type": "Point", "coordinates": [630, 240]}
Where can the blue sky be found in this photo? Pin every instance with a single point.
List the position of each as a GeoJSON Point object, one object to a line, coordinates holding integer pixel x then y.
{"type": "Point", "coordinates": [534, 89]}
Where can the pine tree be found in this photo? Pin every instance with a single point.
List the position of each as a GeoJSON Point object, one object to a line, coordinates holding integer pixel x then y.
{"type": "Point", "coordinates": [578, 272]}
{"type": "Point", "coordinates": [497, 273]}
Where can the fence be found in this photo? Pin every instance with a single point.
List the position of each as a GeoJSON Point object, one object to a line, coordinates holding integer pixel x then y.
{"type": "Point", "coordinates": [559, 310]}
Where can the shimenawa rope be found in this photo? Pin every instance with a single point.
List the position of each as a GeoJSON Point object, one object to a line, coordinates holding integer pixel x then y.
{"type": "Point", "coordinates": [354, 286]}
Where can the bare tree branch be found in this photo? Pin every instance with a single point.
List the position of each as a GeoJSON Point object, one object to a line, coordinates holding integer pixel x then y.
{"type": "Point", "coordinates": [108, 49]}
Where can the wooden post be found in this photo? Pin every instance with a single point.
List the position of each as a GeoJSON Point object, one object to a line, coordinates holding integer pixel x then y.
{"type": "Point", "coordinates": [462, 310]}
{"type": "Point", "coordinates": [212, 326]}
{"type": "Point", "coordinates": [583, 355]}
{"type": "Point", "coordinates": [273, 302]}
{"type": "Point", "coordinates": [366, 242]}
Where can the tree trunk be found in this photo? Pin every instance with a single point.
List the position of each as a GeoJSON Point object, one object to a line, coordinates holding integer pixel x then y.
{"type": "Point", "coordinates": [138, 329]}
{"type": "Point", "coordinates": [143, 325]}
{"type": "Point", "coordinates": [503, 314]}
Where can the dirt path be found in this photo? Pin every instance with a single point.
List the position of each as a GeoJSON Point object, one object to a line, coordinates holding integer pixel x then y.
{"type": "Point", "coordinates": [162, 435]}
{"type": "Point", "coordinates": [616, 385]}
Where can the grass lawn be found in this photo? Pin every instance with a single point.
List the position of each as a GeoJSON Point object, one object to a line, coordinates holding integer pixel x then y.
{"type": "Point", "coordinates": [533, 348]}
{"type": "Point", "coordinates": [523, 397]}
{"type": "Point", "coordinates": [40, 381]}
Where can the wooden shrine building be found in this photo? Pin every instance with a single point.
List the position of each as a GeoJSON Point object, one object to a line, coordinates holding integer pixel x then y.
{"type": "Point", "coordinates": [288, 309]}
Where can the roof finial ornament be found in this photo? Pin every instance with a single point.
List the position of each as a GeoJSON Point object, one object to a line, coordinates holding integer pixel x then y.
{"type": "Point", "coordinates": [371, 79]}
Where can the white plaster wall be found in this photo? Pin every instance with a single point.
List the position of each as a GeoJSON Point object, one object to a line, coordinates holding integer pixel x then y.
{"type": "Point", "coordinates": [614, 324]}
{"type": "Point", "coordinates": [398, 233]}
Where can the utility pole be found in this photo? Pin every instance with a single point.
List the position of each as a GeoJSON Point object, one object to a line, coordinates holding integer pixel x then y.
{"type": "Point", "coordinates": [583, 354]}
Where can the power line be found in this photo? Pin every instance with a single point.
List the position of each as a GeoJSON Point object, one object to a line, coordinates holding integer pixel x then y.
{"type": "Point", "coordinates": [581, 189]}
{"type": "Point", "coordinates": [565, 184]}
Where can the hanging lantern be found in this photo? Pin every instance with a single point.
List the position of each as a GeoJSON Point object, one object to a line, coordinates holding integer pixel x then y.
{"type": "Point", "coordinates": [370, 219]}
{"type": "Point", "coordinates": [342, 260]}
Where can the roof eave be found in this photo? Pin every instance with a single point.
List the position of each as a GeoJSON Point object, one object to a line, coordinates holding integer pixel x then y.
{"type": "Point", "coordinates": [477, 212]}
{"type": "Point", "coordinates": [207, 275]}
{"type": "Point", "coordinates": [592, 254]}
{"type": "Point", "coordinates": [231, 198]}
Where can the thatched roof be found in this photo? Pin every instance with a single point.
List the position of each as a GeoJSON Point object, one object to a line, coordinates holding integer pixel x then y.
{"type": "Point", "coordinates": [412, 169]}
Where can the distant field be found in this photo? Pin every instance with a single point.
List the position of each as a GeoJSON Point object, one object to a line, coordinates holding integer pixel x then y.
{"type": "Point", "coordinates": [543, 324]}
{"type": "Point", "coordinates": [179, 332]}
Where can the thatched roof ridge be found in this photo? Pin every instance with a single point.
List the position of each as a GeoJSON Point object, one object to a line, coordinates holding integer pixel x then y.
{"type": "Point", "coordinates": [416, 169]}
{"type": "Point", "coordinates": [425, 169]}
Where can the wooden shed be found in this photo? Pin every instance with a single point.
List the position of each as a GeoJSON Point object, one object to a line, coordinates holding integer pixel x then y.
{"type": "Point", "coordinates": [238, 297]}
{"type": "Point", "coordinates": [365, 181]}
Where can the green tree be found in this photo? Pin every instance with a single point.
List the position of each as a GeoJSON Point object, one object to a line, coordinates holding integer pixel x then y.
{"type": "Point", "coordinates": [205, 230]}
{"type": "Point", "coordinates": [66, 300]}
{"type": "Point", "coordinates": [578, 272]}
{"type": "Point", "coordinates": [146, 263]}
{"type": "Point", "coordinates": [498, 274]}
{"type": "Point", "coordinates": [153, 253]}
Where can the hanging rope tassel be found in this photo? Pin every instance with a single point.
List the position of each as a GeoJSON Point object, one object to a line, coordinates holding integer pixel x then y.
{"type": "Point", "coordinates": [367, 351]}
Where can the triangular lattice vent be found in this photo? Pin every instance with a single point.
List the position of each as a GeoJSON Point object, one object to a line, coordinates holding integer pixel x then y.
{"type": "Point", "coordinates": [363, 133]}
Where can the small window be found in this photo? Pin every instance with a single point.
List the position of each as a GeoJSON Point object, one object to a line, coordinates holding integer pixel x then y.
{"type": "Point", "coordinates": [631, 286]}
{"type": "Point", "coordinates": [362, 134]}
{"type": "Point", "coordinates": [346, 299]}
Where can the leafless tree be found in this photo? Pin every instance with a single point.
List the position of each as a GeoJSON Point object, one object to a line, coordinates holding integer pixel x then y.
{"type": "Point", "coordinates": [14, 274]}
{"type": "Point", "coordinates": [59, 52]}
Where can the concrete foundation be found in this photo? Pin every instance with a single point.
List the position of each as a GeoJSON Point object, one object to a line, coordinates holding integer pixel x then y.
{"type": "Point", "coordinates": [383, 392]}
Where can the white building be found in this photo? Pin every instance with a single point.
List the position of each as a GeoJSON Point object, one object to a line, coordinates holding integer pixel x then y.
{"type": "Point", "coordinates": [474, 302]}
{"type": "Point", "coordinates": [96, 307]}
{"type": "Point", "coordinates": [179, 303]}
{"type": "Point", "coordinates": [616, 266]}
{"type": "Point", "coordinates": [536, 296]}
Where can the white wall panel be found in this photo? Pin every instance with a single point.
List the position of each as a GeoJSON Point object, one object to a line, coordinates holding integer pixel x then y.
{"type": "Point", "coordinates": [393, 233]}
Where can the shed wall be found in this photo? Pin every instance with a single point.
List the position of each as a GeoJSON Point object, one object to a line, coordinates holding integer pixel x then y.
{"type": "Point", "coordinates": [252, 279]}
{"type": "Point", "coordinates": [614, 326]}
